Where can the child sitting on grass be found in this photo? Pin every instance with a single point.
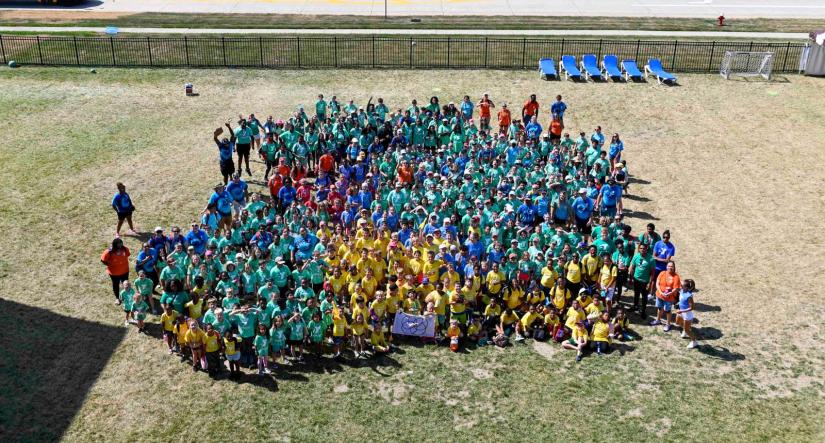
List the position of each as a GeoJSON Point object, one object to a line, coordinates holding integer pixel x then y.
{"type": "Point", "coordinates": [454, 334]}
{"type": "Point", "coordinates": [578, 339]}
{"type": "Point", "coordinates": [378, 339]}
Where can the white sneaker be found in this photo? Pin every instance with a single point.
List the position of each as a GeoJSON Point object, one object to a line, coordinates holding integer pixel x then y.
{"type": "Point", "coordinates": [692, 345]}
{"type": "Point", "coordinates": [267, 371]}
{"type": "Point", "coordinates": [684, 335]}
{"type": "Point", "coordinates": [126, 323]}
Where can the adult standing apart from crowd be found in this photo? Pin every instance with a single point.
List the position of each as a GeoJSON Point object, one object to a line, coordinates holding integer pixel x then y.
{"type": "Point", "coordinates": [663, 252]}
{"type": "Point", "coordinates": [238, 190]}
{"type": "Point", "coordinates": [226, 147]}
{"type": "Point", "coordinates": [684, 315]}
{"type": "Point", "coordinates": [116, 259]}
{"type": "Point", "coordinates": [668, 285]}
{"type": "Point", "coordinates": [484, 107]}
{"type": "Point", "coordinates": [222, 202]}
{"type": "Point", "coordinates": [615, 152]}
{"type": "Point", "coordinates": [256, 128]}
{"type": "Point", "coordinates": [558, 108]}
{"type": "Point", "coordinates": [504, 119]}
{"type": "Point", "coordinates": [243, 136]}
{"type": "Point", "coordinates": [321, 109]}
{"type": "Point", "coordinates": [530, 110]}
{"type": "Point", "coordinates": [124, 207]}
{"type": "Point", "coordinates": [610, 199]}
{"type": "Point", "coordinates": [641, 269]}
{"type": "Point", "coordinates": [467, 108]}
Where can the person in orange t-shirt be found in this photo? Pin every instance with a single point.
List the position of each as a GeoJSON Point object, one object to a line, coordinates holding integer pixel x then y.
{"type": "Point", "coordinates": [556, 126]}
{"type": "Point", "coordinates": [116, 259]}
{"type": "Point", "coordinates": [484, 106]}
{"type": "Point", "coordinates": [405, 173]}
{"type": "Point", "coordinates": [668, 285]}
{"type": "Point", "coordinates": [504, 119]}
{"type": "Point", "coordinates": [530, 109]}
{"type": "Point", "coordinates": [326, 163]}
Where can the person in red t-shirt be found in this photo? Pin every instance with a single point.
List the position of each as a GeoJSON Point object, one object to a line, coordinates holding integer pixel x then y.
{"type": "Point", "coordinates": [116, 259]}
{"type": "Point", "coordinates": [326, 163]}
{"type": "Point", "coordinates": [484, 106]}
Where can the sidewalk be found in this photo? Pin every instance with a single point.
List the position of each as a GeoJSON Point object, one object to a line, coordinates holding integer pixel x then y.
{"type": "Point", "coordinates": [500, 32]}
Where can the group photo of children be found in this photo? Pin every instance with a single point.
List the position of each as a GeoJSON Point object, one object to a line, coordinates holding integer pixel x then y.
{"type": "Point", "coordinates": [492, 221]}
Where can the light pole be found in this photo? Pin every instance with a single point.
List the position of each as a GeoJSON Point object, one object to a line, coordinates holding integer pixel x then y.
{"type": "Point", "coordinates": [385, 9]}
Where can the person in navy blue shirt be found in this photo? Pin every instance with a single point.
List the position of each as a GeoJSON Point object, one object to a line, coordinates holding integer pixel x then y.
{"type": "Point", "coordinates": [123, 206]}
{"type": "Point", "coordinates": [222, 202]}
{"type": "Point", "coordinates": [582, 210]}
{"type": "Point", "coordinates": [226, 147]}
{"type": "Point", "coordinates": [527, 213]}
{"type": "Point", "coordinates": [286, 195]}
{"type": "Point", "coordinates": [197, 238]}
{"type": "Point", "coordinates": [237, 188]}
{"type": "Point", "coordinates": [663, 252]}
{"type": "Point", "coordinates": [610, 198]}
{"type": "Point", "coordinates": [147, 258]}
{"type": "Point", "coordinates": [158, 242]}
{"type": "Point", "coordinates": [558, 107]}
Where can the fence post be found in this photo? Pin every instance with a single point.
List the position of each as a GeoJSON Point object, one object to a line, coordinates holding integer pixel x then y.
{"type": "Point", "coordinates": [298, 47]}
{"type": "Point", "coordinates": [261, 48]}
{"type": "Point", "coordinates": [223, 49]}
{"type": "Point", "coordinates": [373, 51]}
{"type": "Point", "coordinates": [149, 47]}
{"type": "Point", "coordinates": [523, 52]}
{"type": "Point", "coordinates": [2, 49]}
{"type": "Point", "coordinates": [599, 57]}
{"type": "Point", "coordinates": [39, 50]}
{"type": "Point", "coordinates": [411, 52]}
{"type": "Point", "coordinates": [112, 46]}
{"type": "Point", "coordinates": [638, 43]}
{"type": "Point", "coordinates": [76, 52]}
{"type": "Point", "coordinates": [485, 51]}
{"type": "Point", "coordinates": [673, 60]}
{"type": "Point", "coordinates": [710, 60]}
{"type": "Point", "coordinates": [335, 50]}
{"type": "Point", "coordinates": [785, 62]}
{"type": "Point", "coordinates": [562, 48]}
{"type": "Point", "coordinates": [750, 48]}
{"type": "Point", "coordinates": [448, 52]}
{"type": "Point", "coordinates": [186, 49]}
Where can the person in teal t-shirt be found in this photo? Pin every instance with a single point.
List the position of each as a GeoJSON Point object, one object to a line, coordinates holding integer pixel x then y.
{"type": "Point", "coordinates": [641, 268]}
{"type": "Point", "coordinates": [261, 345]}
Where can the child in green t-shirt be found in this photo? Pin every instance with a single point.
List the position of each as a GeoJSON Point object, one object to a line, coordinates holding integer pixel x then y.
{"type": "Point", "coordinates": [261, 345]}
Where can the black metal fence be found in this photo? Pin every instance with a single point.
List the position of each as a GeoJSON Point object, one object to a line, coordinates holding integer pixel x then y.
{"type": "Point", "coordinates": [370, 51]}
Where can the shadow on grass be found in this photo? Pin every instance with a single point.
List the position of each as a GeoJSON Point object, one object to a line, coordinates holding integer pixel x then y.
{"type": "Point", "coordinates": [720, 353]}
{"type": "Point", "coordinates": [642, 215]}
{"type": "Point", "coordinates": [49, 364]}
{"type": "Point", "coordinates": [708, 333]}
{"type": "Point", "coordinates": [637, 198]}
{"type": "Point", "coordinates": [702, 307]}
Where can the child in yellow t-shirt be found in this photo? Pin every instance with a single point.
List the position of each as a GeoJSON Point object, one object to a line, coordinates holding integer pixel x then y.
{"type": "Point", "coordinates": [553, 323]}
{"type": "Point", "coordinates": [475, 332]}
{"type": "Point", "coordinates": [167, 322]}
{"type": "Point", "coordinates": [359, 332]}
{"type": "Point", "coordinates": [339, 331]}
{"type": "Point", "coordinates": [578, 339]}
{"type": "Point", "coordinates": [601, 334]}
{"type": "Point", "coordinates": [454, 333]}
{"type": "Point", "coordinates": [181, 327]}
{"type": "Point", "coordinates": [621, 326]}
{"type": "Point", "coordinates": [378, 340]}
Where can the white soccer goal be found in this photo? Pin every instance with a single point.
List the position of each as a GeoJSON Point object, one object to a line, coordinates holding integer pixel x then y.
{"type": "Point", "coordinates": [747, 64]}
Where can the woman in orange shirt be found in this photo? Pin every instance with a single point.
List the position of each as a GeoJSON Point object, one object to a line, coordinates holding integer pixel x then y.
{"type": "Point", "coordinates": [405, 173]}
{"type": "Point", "coordinates": [556, 126]}
{"type": "Point", "coordinates": [668, 284]}
{"type": "Point", "coordinates": [116, 259]}
{"type": "Point", "coordinates": [484, 106]}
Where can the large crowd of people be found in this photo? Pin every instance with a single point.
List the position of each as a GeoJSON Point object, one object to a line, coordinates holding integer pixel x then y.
{"type": "Point", "coordinates": [472, 213]}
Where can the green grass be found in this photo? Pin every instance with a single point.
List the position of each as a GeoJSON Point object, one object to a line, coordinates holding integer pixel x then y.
{"type": "Point", "coordinates": [295, 21]}
{"type": "Point", "coordinates": [755, 378]}
{"type": "Point", "coordinates": [370, 51]}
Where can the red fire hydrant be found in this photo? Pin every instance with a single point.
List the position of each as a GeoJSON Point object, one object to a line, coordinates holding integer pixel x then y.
{"type": "Point", "coordinates": [721, 19]}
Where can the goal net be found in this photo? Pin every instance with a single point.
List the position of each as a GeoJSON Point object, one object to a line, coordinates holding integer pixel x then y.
{"type": "Point", "coordinates": [747, 64]}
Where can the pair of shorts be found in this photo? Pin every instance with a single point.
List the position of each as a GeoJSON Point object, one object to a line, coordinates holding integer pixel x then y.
{"type": "Point", "coordinates": [687, 316]}
{"type": "Point", "coordinates": [582, 225]}
{"type": "Point", "coordinates": [555, 137]}
{"type": "Point", "coordinates": [257, 136]}
{"type": "Point", "coordinates": [227, 167]}
{"type": "Point", "coordinates": [337, 341]}
{"type": "Point", "coordinates": [295, 342]}
{"type": "Point", "coordinates": [277, 347]}
{"type": "Point", "coordinates": [234, 357]}
{"type": "Point", "coordinates": [608, 211]}
{"type": "Point", "coordinates": [242, 148]}
{"type": "Point", "coordinates": [664, 305]}
{"type": "Point", "coordinates": [572, 342]}
{"type": "Point", "coordinates": [122, 215]}
{"type": "Point", "coordinates": [608, 293]}
{"type": "Point", "coordinates": [442, 319]}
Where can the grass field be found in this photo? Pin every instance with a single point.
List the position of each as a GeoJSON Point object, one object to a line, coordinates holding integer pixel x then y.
{"type": "Point", "coordinates": [298, 21]}
{"type": "Point", "coordinates": [732, 168]}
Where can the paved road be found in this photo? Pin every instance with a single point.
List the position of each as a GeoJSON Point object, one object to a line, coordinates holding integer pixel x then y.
{"type": "Point", "coordinates": [616, 8]}
{"type": "Point", "coordinates": [563, 32]}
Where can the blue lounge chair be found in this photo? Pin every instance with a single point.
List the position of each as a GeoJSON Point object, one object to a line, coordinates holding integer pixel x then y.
{"type": "Point", "coordinates": [567, 65]}
{"type": "Point", "coordinates": [610, 65]}
{"type": "Point", "coordinates": [631, 71]}
{"type": "Point", "coordinates": [547, 68]}
{"type": "Point", "coordinates": [590, 66]}
{"type": "Point", "coordinates": [654, 66]}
